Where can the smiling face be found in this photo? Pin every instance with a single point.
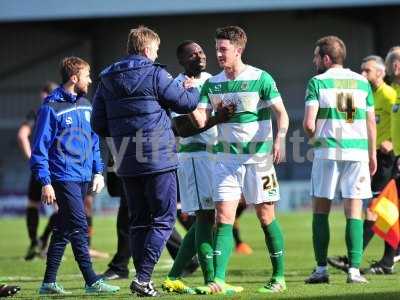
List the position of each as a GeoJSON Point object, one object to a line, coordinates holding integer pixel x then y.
{"type": "Point", "coordinates": [227, 53]}
{"type": "Point", "coordinates": [193, 59]}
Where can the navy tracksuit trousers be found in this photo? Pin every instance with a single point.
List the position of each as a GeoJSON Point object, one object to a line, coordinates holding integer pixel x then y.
{"type": "Point", "coordinates": [152, 209]}
{"type": "Point", "coordinates": [71, 226]}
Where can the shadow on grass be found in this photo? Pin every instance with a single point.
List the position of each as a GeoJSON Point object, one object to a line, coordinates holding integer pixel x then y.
{"type": "Point", "coordinates": [371, 296]}
{"type": "Point", "coordinates": [5, 258]}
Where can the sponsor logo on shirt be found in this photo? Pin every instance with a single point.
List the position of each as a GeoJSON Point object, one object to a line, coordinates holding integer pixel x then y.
{"type": "Point", "coordinates": [217, 87]}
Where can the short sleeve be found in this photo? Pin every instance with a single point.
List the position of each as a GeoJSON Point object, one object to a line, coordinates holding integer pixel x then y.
{"type": "Point", "coordinates": [269, 91]}
{"type": "Point", "coordinates": [204, 98]}
{"type": "Point", "coordinates": [370, 99]}
{"type": "Point", "coordinates": [312, 92]}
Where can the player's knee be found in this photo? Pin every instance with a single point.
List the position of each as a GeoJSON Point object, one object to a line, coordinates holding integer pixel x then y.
{"type": "Point", "coordinates": [224, 217]}
{"type": "Point", "coordinates": [266, 220]}
{"type": "Point", "coordinates": [321, 205]}
{"type": "Point", "coordinates": [226, 212]}
{"type": "Point", "coordinates": [370, 215]}
{"type": "Point", "coordinates": [266, 215]}
{"type": "Point", "coordinates": [353, 208]}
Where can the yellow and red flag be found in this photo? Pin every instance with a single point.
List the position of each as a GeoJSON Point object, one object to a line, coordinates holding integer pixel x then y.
{"type": "Point", "coordinates": [386, 206]}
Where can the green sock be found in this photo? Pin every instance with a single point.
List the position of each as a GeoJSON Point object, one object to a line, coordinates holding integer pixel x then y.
{"type": "Point", "coordinates": [275, 245]}
{"type": "Point", "coordinates": [320, 230]}
{"type": "Point", "coordinates": [223, 246]}
{"type": "Point", "coordinates": [354, 241]}
{"type": "Point", "coordinates": [204, 241]}
{"type": "Point", "coordinates": [185, 253]}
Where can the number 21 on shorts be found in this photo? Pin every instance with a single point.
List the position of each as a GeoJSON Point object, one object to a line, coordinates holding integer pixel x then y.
{"type": "Point", "coordinates": [269, 182]}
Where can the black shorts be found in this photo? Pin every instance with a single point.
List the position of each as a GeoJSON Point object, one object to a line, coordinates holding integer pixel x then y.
{"type": "Point", "coordinates": [384, 171]}
{"type": "Point", "coordinates": [34, 190]}
{"type": "Point", "coordinates": [114, 184]}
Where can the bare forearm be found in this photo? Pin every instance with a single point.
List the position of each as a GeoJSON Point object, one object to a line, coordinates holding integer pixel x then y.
{"type": "Point", "coordinates": [309, 122]}
{"type": "Point", "coordinates": [199, 118]}
{"type": "Point", "coordinates": [282, 121]}
{"type": "Point", "coordinates": [23, 140]}
{"type": "Point", "coordinates": [371, 129]}
{"type": "Point", "coordinates": [185, 127]}
{"type": "Point", "coordinates": [26, 148]}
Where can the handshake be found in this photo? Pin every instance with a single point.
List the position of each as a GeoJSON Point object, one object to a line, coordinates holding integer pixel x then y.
{"type": "Point", "coordinates": [224, 113]}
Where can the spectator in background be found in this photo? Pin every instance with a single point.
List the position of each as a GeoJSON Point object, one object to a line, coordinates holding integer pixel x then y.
{"type": "Point", "coordinates": [37, 246]}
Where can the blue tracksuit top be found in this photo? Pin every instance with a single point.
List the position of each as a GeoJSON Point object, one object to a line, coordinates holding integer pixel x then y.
{"type": "Point", "coordinates": [64, 146]}
{"type": "Point", "coordinates": [131, 105]}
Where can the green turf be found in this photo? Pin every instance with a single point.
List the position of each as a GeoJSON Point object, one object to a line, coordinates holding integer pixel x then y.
{"type": "Point", "coordinates": [249, 271]}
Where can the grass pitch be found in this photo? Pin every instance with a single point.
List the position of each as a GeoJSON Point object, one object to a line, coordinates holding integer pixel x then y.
{"type": "Point", "coordinates": [249, 271]}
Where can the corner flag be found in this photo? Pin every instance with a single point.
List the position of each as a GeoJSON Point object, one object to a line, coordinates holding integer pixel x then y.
{"type": "Point", "coordinates": [386, 206]}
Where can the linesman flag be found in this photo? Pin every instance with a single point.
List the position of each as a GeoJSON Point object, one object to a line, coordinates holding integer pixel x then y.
{"type": "Point", "coordinates": [386, 206]}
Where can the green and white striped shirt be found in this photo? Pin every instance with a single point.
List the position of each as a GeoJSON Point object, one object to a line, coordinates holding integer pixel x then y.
{"type": "Point", "coordinates": [343, 98]}
{"type": "Point", "coordinates": [247, 136]}
{"type": "Point", "coordinates": [199, 144]}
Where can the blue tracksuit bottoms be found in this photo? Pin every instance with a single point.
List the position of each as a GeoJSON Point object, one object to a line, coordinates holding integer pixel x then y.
{"type": "Point", "coordinates": [152, 209]}
{"type": "Point", "coordinates": [71, 226]}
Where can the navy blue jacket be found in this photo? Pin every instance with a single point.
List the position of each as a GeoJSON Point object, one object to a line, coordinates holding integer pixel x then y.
{"type": "Point", "coordinates": [131, 106]}
{"type": "Point", "coordinates": [64, 146]}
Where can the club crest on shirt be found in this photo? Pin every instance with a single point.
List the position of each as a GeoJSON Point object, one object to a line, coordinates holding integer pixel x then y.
{"type": "Point", "coordinates": [395, 108]}
{"type": "Point", "coordinates": [244, 86]}
{"type": "Point", "coordinates": [217, 87]}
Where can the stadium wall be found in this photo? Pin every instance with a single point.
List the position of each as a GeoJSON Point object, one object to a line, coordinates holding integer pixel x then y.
{"type": "Point", "coordinates": [280, 42]}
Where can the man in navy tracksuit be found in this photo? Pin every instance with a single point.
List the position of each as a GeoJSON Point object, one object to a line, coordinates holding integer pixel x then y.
{"type": "Point", "coordinates": [131, 106]}
{"type": "Point", "coordinates": [65, 158]}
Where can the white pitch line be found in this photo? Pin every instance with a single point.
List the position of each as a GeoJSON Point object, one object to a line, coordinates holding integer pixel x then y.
{"type": "Point", "coordinates": [28, 278]}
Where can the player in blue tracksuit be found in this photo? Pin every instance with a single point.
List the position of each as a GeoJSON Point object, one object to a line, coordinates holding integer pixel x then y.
{"type": "Point", "coordinates": [65, 158]}
{"type": "Point", "coordinates": [131, 106]}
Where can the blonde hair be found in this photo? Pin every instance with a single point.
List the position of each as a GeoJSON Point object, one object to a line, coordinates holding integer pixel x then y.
{"type": "Point", "coordinates": [140, 38]}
